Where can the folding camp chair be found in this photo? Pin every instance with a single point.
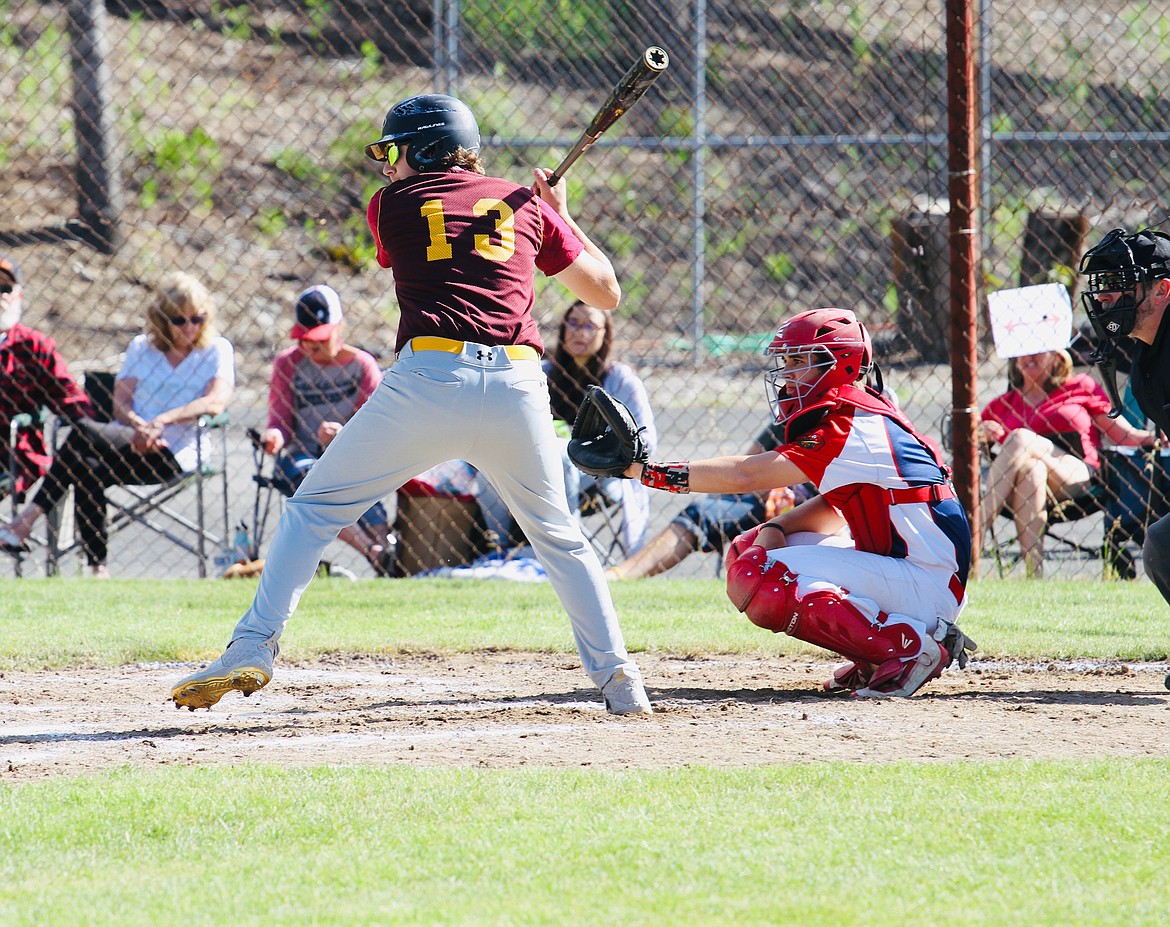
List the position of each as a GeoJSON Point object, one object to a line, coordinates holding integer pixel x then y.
{"type": "Point", "coordinates": [1136, 484]}
{"type": "Point", "coordinates": [1060, 512]}
{"type": "Point", "coordinates": [158, 507]}
{"type": "Point", "coordinates": [45, 422]}
{"type": "Point", "coordinates": [602, 521]}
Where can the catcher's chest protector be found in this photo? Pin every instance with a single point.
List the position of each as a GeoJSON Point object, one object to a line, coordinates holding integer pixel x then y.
{"type": "Point", "coordinates": [866, 506]}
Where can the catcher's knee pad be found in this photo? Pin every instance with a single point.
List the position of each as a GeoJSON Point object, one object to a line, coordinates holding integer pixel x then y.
{"type": "Point", "coordinates": [739, 544]}
{"type": "Point", "coordinates": [766, 594]}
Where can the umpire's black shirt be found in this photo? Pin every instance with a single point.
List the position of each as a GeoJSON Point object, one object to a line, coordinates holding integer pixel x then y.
{"type": "Point", "coordinates": [1150, 377]}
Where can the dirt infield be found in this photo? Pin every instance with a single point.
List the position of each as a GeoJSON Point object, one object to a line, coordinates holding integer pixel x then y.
{"type": "Point", "coordinates": [506, 709]}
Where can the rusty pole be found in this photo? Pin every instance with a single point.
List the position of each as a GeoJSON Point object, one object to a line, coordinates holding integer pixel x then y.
{"type": "Point", "coordinates": [962, 188]}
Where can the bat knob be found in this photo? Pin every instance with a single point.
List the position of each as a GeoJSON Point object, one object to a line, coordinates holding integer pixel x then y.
{"type": "Point", "coordinates": [656, 58]}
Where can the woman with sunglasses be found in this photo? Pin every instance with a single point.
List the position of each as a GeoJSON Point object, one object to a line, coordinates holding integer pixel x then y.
{"type": "Point", "coordinates": [179, 370]}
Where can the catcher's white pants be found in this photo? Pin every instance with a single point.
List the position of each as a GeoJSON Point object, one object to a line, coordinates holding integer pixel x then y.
{"type": "Point", "coordinates": [870, 581]}
{"type": "Point", "coordinates": [431, 406]}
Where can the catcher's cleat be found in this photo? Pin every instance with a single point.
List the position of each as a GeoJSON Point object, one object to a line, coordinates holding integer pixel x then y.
{"type": "Point", "coordinates": [898, 678]}
{"type": "Point", "coordinates": [246, 667]}
{"type": "Point", "coordinates": [624, 694]}
{"type": "Point", "coordinates": [848, 678]}
{"type": "Point", "coordinates": [901, 679]}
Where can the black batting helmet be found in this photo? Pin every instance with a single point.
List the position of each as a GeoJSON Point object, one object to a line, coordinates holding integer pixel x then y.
{"type": "Point", "coordinates": [432, 125]}
{"type": "Point", "coordinates": [1124, 264]}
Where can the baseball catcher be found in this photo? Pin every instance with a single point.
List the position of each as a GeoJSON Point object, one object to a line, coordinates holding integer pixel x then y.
{"type": "Point", "coordinates": [605, 438]}
{"type": "Point", "coordinates": [875, 567]}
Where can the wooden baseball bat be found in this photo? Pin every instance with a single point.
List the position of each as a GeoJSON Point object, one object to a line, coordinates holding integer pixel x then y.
{"type": "Point", "coordinates": [628, 91]}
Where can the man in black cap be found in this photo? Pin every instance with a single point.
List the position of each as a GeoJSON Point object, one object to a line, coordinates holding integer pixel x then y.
{"type": "Point", "coordinates": [1127, 294]}
{"type": "Point", "coordinates": [33, 376]}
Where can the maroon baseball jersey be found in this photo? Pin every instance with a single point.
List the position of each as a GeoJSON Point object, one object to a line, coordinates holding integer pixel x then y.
{"type": "Point", "coordinates": [464, 249]}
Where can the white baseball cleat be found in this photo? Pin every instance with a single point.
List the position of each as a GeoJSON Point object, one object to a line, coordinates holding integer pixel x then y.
{"type": "Point", "coordinates": [246, 667]}
{"type": "Point", "coordinates": [624, 694]}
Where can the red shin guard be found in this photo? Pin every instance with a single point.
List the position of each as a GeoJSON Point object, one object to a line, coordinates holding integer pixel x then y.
{"type": "Point", "coordinates": [832, 622]}
{"type": "Point", "coordinates": [823, 617]}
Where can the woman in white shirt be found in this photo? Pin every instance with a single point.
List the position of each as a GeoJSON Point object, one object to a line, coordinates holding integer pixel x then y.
{"type": "Point", "coordinates": [179, 370]}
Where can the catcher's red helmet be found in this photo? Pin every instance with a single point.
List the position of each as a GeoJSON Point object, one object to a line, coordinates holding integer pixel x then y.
{"type": "Point", "coordinates": [816, 352]}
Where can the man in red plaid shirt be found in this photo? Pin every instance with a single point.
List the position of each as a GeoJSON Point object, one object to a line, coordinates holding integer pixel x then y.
{"type": "Point", "coordinates": [33, 375]}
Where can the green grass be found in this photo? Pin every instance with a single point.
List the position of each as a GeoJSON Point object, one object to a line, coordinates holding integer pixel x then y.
{"type": "Point", "coordinates": [834, 844]}
{"type": "Point", "coordinates": [827, 844]}
{"type": "Point", "coordinates": [51, 623]}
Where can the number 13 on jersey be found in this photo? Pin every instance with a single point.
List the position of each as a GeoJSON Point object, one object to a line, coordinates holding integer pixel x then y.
{"type": "Point", "coordinates": [439, 248]}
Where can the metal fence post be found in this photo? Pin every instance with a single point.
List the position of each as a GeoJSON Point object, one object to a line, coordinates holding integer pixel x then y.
{"type": "Point", "coordinates": [698, 178]}
{"type": "Point", "coordinates": [99, 184]}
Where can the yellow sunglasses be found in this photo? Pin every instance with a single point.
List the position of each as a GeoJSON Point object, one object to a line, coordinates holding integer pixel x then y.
{"type": "Point", "coordinates": [383, 151]}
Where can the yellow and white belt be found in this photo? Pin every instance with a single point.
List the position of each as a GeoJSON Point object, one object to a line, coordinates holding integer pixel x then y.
{"type": "Point", "coordinates": [450, 346]}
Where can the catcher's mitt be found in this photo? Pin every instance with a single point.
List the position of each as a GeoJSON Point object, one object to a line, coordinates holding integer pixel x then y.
{"type": "Point", "coordinates": [606, 439]}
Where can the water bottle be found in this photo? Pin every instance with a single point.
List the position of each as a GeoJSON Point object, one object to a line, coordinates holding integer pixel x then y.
{"type": "Point", "coordinates": [242, 545]}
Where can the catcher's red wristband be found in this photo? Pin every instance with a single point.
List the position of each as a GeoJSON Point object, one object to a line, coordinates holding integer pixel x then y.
{"type": "Point", "coordinates": [673, 477]}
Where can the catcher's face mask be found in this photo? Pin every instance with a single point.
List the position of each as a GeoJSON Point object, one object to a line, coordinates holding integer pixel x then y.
{"type": "Point", "coordinates": [797, 379]}
{"type": "Point", "coordinates": [1121, 272]}
{"type": "Point", "coordinates": [815, 352]}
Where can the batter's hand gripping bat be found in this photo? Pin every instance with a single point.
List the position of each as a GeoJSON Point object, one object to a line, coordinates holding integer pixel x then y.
{"type": "Point", "coordinates": [627, 92]}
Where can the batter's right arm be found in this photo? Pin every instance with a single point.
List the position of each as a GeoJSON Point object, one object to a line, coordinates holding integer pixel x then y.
{"type": "Point", "coordinates": [590, 277]}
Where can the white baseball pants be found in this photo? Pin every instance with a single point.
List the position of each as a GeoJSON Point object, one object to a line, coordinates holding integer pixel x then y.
{"type": "Point", "coordinates": [432, 406]}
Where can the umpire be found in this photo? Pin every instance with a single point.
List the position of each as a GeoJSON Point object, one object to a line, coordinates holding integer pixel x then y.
{"type": "Point", "coordinates": [1127, 294]}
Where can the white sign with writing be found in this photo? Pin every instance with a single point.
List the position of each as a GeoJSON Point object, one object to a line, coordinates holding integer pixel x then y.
{"type": "Point", "coordinates": [1030, 319]}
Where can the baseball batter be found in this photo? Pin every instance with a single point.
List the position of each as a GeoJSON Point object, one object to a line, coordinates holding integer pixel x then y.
{"type": "Point", "coordinates": [468, 383]}
{"type": "Point", "coordinates": [886, 596]}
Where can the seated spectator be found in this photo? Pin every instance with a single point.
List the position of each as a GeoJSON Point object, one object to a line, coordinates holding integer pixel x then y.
{"type": "Point", "coordinates": [710, 521]}
{"type": "Point", "coordinates": [317, 385]}
{"type": "Point", "coordinates": [33, 375]}
{"type": "Point", "coordinates": [581, 359]}
{"type": "Point", "coordinates": [179, 370]}
{"type": "Point", "coordinates": [1049, 426]}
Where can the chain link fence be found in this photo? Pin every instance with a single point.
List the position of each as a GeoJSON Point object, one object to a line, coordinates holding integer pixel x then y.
{"type": "Point", "coordinates": [794, 155]}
